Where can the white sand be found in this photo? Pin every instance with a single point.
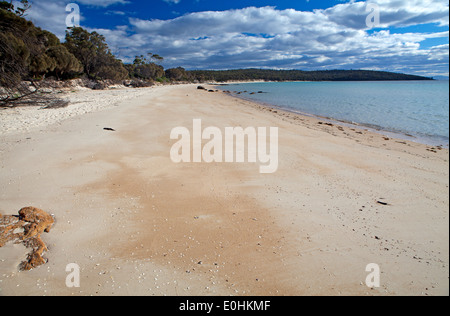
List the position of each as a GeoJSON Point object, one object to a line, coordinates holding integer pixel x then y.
{"type": "Point", "coordinates": [138, 224]}
{"type": "Point", "coordinates": [82, 101]}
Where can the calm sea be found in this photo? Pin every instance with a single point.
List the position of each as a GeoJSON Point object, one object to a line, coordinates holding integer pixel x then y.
{"type": "Point", "coordinates": [417, 108]}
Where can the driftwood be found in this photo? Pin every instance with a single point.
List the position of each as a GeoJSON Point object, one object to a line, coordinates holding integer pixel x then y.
{"type": "Point", "coordinates": [29, 94]}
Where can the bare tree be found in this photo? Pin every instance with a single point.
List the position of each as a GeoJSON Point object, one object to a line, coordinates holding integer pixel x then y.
{"type": "Point", "coordinates": [15, 50]}
{"type": "Point", "coordinates": [30, 94]}
{"type": "Point", "coordinates": [19, 11]}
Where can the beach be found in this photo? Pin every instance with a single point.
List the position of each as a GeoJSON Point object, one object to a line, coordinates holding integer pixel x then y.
{"type": "Point", "coordinates": [136, 223]}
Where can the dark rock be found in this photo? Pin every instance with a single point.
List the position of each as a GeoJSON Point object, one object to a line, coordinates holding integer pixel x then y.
{"type": "Point", "coordinates": [100, 86]}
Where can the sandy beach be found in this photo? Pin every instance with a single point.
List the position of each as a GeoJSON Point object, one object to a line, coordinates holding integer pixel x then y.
{"type": "Point", "coordinates": [138, 224]}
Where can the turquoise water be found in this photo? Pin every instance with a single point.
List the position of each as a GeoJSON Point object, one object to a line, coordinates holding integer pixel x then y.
{"type": "Point", "coordinates": [416, 108]}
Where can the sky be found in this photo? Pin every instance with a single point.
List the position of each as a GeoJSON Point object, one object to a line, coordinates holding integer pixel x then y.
{"type": "Point", "coordinates": [408, 36]}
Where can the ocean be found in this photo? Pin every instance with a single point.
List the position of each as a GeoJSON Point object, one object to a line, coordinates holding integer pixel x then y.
{"type": "Point", "coordinates": [414, 110]}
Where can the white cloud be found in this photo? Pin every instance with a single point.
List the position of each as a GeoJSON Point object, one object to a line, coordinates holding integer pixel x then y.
{"type": "Point", "coordinates": [265, 37]}
{"type": "Point", "coordinates": [398, 13]}
{"type": "Point", "coordinates": [49, 15]}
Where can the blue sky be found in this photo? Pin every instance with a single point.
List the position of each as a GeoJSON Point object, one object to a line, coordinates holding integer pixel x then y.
{"type": "Point", "coordinates": [160, 9]}
{"type": "Point", "coordinates": [411, 37]}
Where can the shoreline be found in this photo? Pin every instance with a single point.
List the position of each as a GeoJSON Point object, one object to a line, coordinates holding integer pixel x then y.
{"type": "Point", "coordinates": [430, 141]}
{"type": "Point", "coordinates": [330, 122]}
{"type": "Point", "coordinates": [138, 224]}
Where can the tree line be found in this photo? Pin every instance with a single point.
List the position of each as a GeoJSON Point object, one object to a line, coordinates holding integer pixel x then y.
{"type": "Point", "coordinates": [298, 75]}
{"type": "Point", "coordinates": [29, 53]}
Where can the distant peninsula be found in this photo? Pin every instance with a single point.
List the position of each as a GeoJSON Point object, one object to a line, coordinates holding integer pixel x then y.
{"type": "Point", "coordinates": [299, 75]}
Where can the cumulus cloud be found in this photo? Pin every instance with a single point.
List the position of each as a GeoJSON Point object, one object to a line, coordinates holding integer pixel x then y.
{"type": "Point", "coordinates": [266, 37]}
{"type": "Point", "coordinates": [49, 15]}
{"type": "Point", "coordinates": [399, 13]}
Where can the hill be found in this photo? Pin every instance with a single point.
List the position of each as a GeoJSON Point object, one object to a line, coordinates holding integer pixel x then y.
{"type": "Point", "coordinates": [299, 75]}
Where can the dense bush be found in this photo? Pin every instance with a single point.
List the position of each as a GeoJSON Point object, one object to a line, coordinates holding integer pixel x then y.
{"type": "Point", "coordinates": [145, 69]}
{"type": "Point", "coordinates": [94, 54]}
{"type": "Point", "coordinates": [177, 74]}
{"type": "Point", "coordinates": [28, 52]}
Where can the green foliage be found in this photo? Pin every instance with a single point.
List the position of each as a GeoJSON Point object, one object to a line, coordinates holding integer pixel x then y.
{"type": "Point", "coordinates": [42, 64]}
{"type": "Point", "coordinates": [142, 60]}
{"type": "Point", "coordinates": [113, 69]}
{"type": "Point", "coordinates": [14, 56]}
{"type": "Point", "coordinates": [29, 52]}
{"type": "Point", "coordinates": [163, 80]}
{"type": "Point", "coordinates": [177, 74]}
{"type": "Point", "coordinates": [149, 71]}
{"type": "Point", "coordinates": [94, 54]}
{"type": "Point", "coordinates": [86, 47]}
{"type": "Point", "coordinates": [157, 58]}
{"type": "Point", "coordinates": [143, 68]}
{"type": "Point", "coordinates": [65, 62]}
